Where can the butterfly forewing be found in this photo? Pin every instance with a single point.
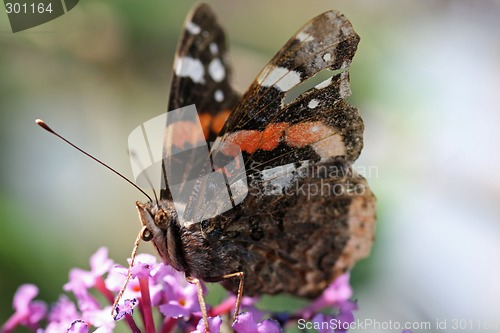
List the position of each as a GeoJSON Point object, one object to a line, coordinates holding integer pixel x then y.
{"type": "Point", "coordinates": [202, 72]}
{"type": "Point", "coordinates": [201, 77]}
{"type": "Point", "coordinates": [317, 124]}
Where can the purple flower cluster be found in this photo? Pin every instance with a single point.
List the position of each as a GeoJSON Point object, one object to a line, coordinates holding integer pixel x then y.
{"type": "Point", "coordinates": [166, 303]}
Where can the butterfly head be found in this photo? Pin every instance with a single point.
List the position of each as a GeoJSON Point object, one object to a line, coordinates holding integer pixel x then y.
{"type": "Point", "coordinates": [156, 217]}
{"type": "Point", "coordinates": [161, 226]}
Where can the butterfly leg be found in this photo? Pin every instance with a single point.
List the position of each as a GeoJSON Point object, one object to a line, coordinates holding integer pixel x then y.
{"type": "Point", "coordinates": [239, 275]}
{"type": "Point", "coordinates": [201, 299]}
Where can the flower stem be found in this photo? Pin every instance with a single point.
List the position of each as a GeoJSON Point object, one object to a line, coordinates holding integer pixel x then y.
{"type": "Point", "coordinates": [11, 324]}
{"type": "Point", "coordinates": [131, 323]}
{"type": "Point", "coordinates": [146, 305]}
{"type": "Point", "coordinates": [168, 325]}
{"type": "Point", "coordinates": [225, 307]}
{"type": "Point", "coordinates": [101, 287]}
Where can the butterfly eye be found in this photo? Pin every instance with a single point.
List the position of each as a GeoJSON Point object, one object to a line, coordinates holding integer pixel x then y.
{"type": "Point", "coordinates": [161, 218]}
{"type": "Point", "coordinates": [146, 235]}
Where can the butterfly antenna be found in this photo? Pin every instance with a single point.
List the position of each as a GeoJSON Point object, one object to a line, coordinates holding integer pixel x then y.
{"type": "Point", "coordinates": [43, 125]}
{"type": "Point", "coordinates": [150, 183]}
{"type": "Point", "coordinates": [156, 197]}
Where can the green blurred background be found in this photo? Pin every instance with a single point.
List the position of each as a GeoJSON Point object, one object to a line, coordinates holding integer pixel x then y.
{"type": "Point", "coordinates": [426, 79]}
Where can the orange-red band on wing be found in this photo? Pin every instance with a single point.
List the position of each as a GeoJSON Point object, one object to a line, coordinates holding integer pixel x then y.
{"type": "Point", "coordinates": [298, 136]}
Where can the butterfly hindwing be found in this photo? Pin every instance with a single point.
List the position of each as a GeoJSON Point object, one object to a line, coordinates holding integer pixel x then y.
{"type": "Point", "coordinates": [298, 240]}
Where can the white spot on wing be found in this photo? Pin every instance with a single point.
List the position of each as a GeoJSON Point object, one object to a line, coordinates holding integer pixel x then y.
{"type": "Point", "coordinates": [304, 37]}
{"type": "Point", "coordinates": [214, 48]}
{"type": "Point", "coordinates": [281, 77]}
{"type": "Point", "coordinates": [189, 67]}
{"type": "Point", "coordinates": [219, 95]}
{"type": "Point", "coordinates": [332, 145]}
{"type": "Point", "coordinates": [193, 28]}
{"type": "Point", "coordinates": [217, 70]}
{"type": "Point", "coordinates": [313, 103]}
{"type": "Point", "coordinates": [281, 177]}
{"type": "Point", "coordinates": [270, 174]}
{"type": "Point", "coordinates": [239, 189]}
{"type": "Point", "coordinates": [327, 56]}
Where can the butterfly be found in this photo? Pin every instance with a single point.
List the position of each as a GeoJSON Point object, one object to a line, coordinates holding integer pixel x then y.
{"type": "Point", "coordinates": [275, 206]}
{"type": "Point", "coordinates": [302, 216]}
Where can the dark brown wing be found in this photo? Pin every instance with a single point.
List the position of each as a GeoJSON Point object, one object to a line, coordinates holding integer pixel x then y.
{"type": "Point", "coordinates": [202, 71]}
{"type": "Point", "coordinates": [295, 242]}
{"type": "Point", "coordinates": [201, 77]}
{"type": "Point", "coordinates": [277, 123]}
{"type": "Point", "coordinates": [299, 241]}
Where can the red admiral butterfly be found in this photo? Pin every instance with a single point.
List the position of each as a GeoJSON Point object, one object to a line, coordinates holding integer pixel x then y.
{"type": "Point", "coordinates": [307, 216]}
